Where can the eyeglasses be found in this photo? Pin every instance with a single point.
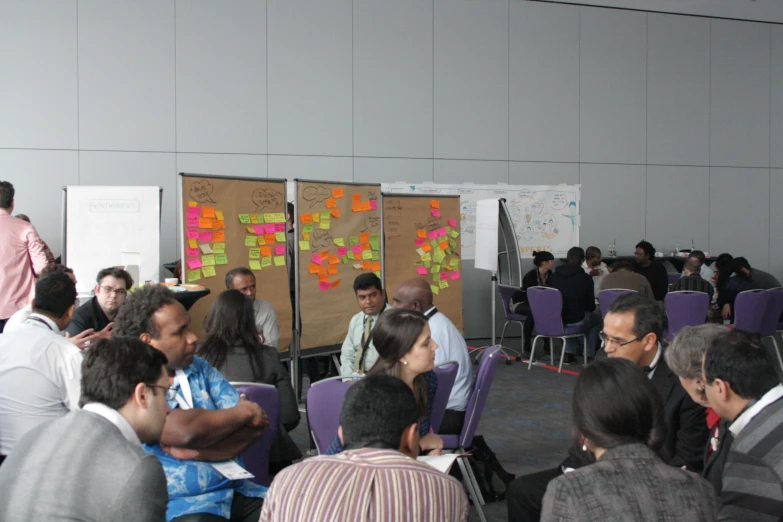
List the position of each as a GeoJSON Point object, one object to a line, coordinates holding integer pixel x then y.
{"type": "Point", "coordinates": [171, 391]}
{"type": "Point", "coordinates": [617, 342]}
{"type": "Point", "coordinates": [116, 291]}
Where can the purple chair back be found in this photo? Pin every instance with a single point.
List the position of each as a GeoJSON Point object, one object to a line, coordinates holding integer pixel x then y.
{"type": "Point", "coordinates": [256, 457]}
{"type": "Point", "coordinates": [673, 278]}
{"type": "Point", "coordinates": [324, 402]}
{"type": "Point", "coordinates": [769, 323]}
{"type": "Point", "coordinates": [685, 309]}
{"type": "Point", "coordinates": [609, 296]}
{"type": "Point", "coordinates": [749, 309]}
{"type": "Point", "coordinates": [547, 306]}
{"type": "Point", "coordinates": [447, 374]}
{"type": "Point", "coordinates": [506, 292]}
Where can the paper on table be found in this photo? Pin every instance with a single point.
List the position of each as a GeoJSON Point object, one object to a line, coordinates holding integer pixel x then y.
{"type": "Point", "coordinates": [442, 463]}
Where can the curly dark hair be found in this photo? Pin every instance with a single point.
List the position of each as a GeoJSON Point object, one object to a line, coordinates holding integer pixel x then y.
{"type": "Point", "coordinates": [136, 315]}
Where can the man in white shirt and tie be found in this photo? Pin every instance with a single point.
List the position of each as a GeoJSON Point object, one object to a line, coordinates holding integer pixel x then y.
{"type": "Point", "coordinates": [358, 354]}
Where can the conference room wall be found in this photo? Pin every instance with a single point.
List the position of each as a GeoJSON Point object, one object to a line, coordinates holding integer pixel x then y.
{"type": "Point", "coordinates": [645, 110]}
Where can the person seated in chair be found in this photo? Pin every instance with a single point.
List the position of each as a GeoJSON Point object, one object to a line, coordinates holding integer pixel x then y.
{"type": "Point", "coordinates": [538, 276]}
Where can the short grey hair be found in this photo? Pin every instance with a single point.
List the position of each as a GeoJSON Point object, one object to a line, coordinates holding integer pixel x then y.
{"type": "Point", "coordinates": [686, 352]}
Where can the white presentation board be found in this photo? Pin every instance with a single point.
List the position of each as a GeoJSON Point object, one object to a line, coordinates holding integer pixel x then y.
{"type": "Point", "coordinates": [111, 226]}
{"type": "Point", "coordinates": [545, 217]}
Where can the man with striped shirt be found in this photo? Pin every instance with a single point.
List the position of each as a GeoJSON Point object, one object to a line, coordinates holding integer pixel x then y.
{"type": "Point", "coordinates": [377, 477]}
{"type": "Point", "coordinates": [692, 280]}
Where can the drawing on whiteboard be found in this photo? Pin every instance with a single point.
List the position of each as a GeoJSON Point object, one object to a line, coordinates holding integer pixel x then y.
{"type": "Point", "coordinates": [263, 198]}
{"type": "Point", "coordinates": [115, 205]}
{"type": "Point", "coordinates": [572, 215]}
{"type": "Point", "coordinates": [201, 191]}
{"type": "Point", "coordinates": [316, 195]}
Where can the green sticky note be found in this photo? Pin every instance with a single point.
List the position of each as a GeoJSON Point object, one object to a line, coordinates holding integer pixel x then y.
{"type": "Point", "coordinates": [194, 275]}
{"type": "Point", "coordinates": [260, 218]}
{"type": "Point", "coordinates": [454, 263]}
{"type": "Point", "coordinates": [279, 260]}
{"type": "Point", "coordinates": [255, 264]}
{"type": "Point", "coordinates": [280, 237]}
{"type": "Point", "coordinates": [244, 218]}
{"type": "Point", "coordinates": [454, 234]}
{"type": "Point", "coordinates": [435, 289]}
{"type": "Point", "coordinates": [375, 255]}
{"type": "Point", "coordinates": [345, 259]}
{"type": "Point", "coordinates": [221, 259]}
{"type": "Point", "coordinates": [308, 227]}
{"type": "Point", "coordinates": [266, 261]}
{"type": "Point", "coordinates": [304, 245]}
{"type": "Point", "coordinates": [325, 225]}
{"type": "Point", "coordinates": [374, 244]}
{"type": "Point", "coordinates": [452, 244]}
{"type": "Point", "coordinates": [338, 241]}
{"type": "Point", "coordinates": [439, 256]}
{"type": "Point", "coordinates": [254, 253]}
{"type": "Point", "coordinates": [367, 255]}
{"type": "Point", "coordinates": [376, 237]}
{"type": "Point", "coordinates": [250, 240]}
{"type": "Point", "coordinates": [426, 257]}
{"type": "Point", "coordinates": [354, 240]}
{"type": "Point", "coordinates": [219, 248]}
{"type": "Point", "coordinates": [436, 278]}
{"type": "Point", "coordinates": [208, 271]}
{"type": "Point", "coordinates": [426, 264]}
{"type": "Point", "coordinates": [378, 273]}
{"type": "Point", "coordinates": [435, 269]}
{"type": "Point", "coordinates": [350, 255]}
{"type": "Point", "coordinates": [443, 284]}
{"type": "Point", "coordinates": [326, 215]}
{"type": "Point", "coordinates": [208, 260]}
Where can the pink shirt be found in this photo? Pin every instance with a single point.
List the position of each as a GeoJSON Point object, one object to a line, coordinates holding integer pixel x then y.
{"type": "Point", "coordinates": [21, 258]}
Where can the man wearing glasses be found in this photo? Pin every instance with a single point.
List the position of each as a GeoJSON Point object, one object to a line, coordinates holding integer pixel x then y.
{"type": "Point", "coordinates": [97, 314]}
{"type": "Point", "coordinates": [632, 329]}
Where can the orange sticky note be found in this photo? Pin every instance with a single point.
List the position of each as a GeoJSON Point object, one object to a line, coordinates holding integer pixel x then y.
{"type": "Point", "coordinates": [333, 260]}
{"type": "Point", "coordinates": [323, 278]}
{"type": "Point", "coordinates": [332, 270]}
{"type": "Point", "coordinates": [269, 238]}
{"type": "Point", "coordinates": [356, 207]}
{"type": "Point", "coordinates": [366, 265]}
{"type": "Point", "coordinates": [365, 246]}
{"type": "Point", "coordinates": [336, 283]}
{"type": "Point", "coordinates": [218, 224]}
{"type": "Point", "coordinates": [364, 237]}
{"type": "Point", "coordinates": [306, 219]}
{"type": "Point", "coordinates": [266, 251]}
{"type": "Point", "coordinates": [219, 236]}
{"type": "Point", "coordinates": [376, 265]}
{"type": "Point", "coordinates": [443, 246]}
{"type": "Point", "coordinates": [337, 193]}
{"type": "Point", "coordinates": [321, 270]}
{"type": "Point", "coordinates": [434, 203]}
{"type": "Point", "coordinates": [204, 223]}
{"type": "Point", "coordinates": [324, 254]}
{"type": "Point", "coordinates": [426, 247]}
{"type": "Point", "coordinates": [335, 212]}
{"type": "Point", "coordinates": [421, 233]}
{"type": "Point", "coordinates": [331, 203]}
{"type": "Point", "coordinates": [356, 198]}
{"type": "Point", "coordinates": [208, 212]}
{"type": "Point", "coordinates": [366, 206]}
{"type": "Point", "coordinates": [313, 269]}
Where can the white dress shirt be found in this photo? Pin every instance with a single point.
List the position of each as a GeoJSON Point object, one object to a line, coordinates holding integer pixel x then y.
{"type": "Point", "coordinates": [597, 280]}
{"type": "Point", "coordinates": [40, 374]}
{"type": "Point", "coordinates": [452, 347]}
{"type": "Point", "coordinates": [744, 419]}
{"type": "Point", "coordinates": [116, 418]}
{"type": "Point", "coordinates": [353, 340]}
{"type": "Point", "coordinates": [18, 318]}
{"type": "Point", "coordinates": [266, 322]}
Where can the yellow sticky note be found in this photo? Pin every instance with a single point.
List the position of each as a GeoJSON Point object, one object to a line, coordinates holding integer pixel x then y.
{"type": "Point", "coordinates": [193, 243]}
{"type": "Point", "coordinates": [325, 225]}
{"type": "Point", "coordinates": [367, 255]}
{"type": "Point", "coordinates": [266, 261]}
{"type": "Point", "coordinates": [279, 260]}
{"type": "Point", "coordinates": [244, 218]}
{"type": "Point", "coordinates": [255, 264]}
{"type": "Point", "coordinates": [316, 217]}
{"type": "Point", "coordinates": [208, 271]}
{"type": "Point", "coordinates": [261, 240]}
{"type": "Point", "coordinates": [443, 284]}
{"type": "Point", "coordinates": [192, 204]}
{"type": "Point", "coordinates": [254, 253]}
{"type": "Point", "coordinates": [219, 248]}
{"type": "Point", "coordinates": [219, 214]}
{"type": "Point", "coordinates": [250, 241]}
{"type": "Point", "coordinates": [435, 289]}
{"type": "Point", "coordinates": [338, 241]}
{"type": "Point", "coordinates": [208, 260]}
{"type": "Point", "coordinates": [306, 236]}
{"type": "Point", "coordinates": [304, 245]}
{"type": "Point", "coordinates": [280, 237]}
{"type": "Point", "coordinates": [194, 275]}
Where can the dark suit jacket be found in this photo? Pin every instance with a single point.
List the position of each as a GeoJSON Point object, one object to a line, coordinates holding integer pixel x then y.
{"type": "Point", "coordinates": [714, 464]}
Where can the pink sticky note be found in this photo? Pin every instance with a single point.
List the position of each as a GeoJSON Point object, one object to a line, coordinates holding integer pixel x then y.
{"type": "Point", "coordinates": [194, 263]}
{"type": "Point", "coordinates": [192, 221]}
{"type": "Point", "coordinates": [374, 204]}
{"type": "Point", "coordinates": [323, 286]}
{"type": "Point", "coordinates": [433, 235]}
{"type": "Point", "coordinates": [452, 222]}
{"type": "Point", "coordinates": [191, 233]}
{"type": "Point", "coordinates": [441, 231]}
{"type": "Point", "coordinates": [444, 276]}
{"type": "Point", "coordinates": [421, 270]}
{"type": "Point", "coordinates": [270, 228]}
{"type": "Point", "coordinates": [279, 250]}
{"type": "Point", "coordinates": [205, 237]}
{"type": "Point", "coordinates": [435, 212]}
{"type": "Point", "coordinates": [279, 227]}
{"type": "Point", "coordinates": [315, 258]}
{"type": "Point", "coordinates": [420, 241]}
{"type": "Point", "coordinates": [341, 251]}
{"type": "Point", "coordinates": [194, 211]}
{"type": "Point", "coordinates": [192, 252]}
{"type": "Point", "coordinates": [357, 250]}
{"type": "Point", "coordinates": [455, 275]}
{"type": "Point", "coordinates": [258, 230]}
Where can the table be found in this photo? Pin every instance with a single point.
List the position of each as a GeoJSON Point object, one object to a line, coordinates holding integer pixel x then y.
{"type": "Point", "coordinates": [189, 297]}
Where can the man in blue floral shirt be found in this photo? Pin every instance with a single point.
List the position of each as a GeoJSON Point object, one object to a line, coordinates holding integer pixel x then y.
{"type": "Point", "coordinates": [209, 424]}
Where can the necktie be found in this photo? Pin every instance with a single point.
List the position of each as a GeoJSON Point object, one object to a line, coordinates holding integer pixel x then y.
{"type": "Point", "coordinates": [358, 364]}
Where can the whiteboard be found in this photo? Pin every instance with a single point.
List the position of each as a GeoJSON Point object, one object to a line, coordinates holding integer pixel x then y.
{"type": "Point", "coordinates": [111, 226]}
{"type": "Point", "coordinates": [545, 217]}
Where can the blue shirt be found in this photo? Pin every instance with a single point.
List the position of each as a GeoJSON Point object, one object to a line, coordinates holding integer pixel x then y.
{"type": "Point", "coordinates": [195, 486]}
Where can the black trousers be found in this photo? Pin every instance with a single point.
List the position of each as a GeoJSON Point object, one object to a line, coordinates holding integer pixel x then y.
{"type": "Point", "coordinates": [452, 422]}
{"type": "Point", "coordinates": [527, 329]}
{"type": "Point", "coordinates": [525, 495]}
{"type": "Point", "coordinates": [243, 509]}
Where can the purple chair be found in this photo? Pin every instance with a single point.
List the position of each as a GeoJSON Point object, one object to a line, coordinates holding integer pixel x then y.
{"type": "Point", "coordinates": [609, 296]}
{"type": "Point", "coordinates": [447, 374]}
{"type": "Point", "coordinates": [769, 323]}
{"type": "Point", "coordinates": [673, 278]}
{"type": "Point", "coordinates": [685, 309]}
{"type": "Point", "coordinates": [487, 367]}
{"type": "Point", "coordinates": [547, 306]}
{"type": "Point", "coordinates": [324, 402]}
{"type": "Point", "coordinates": [506, 292]}
{"type": "Point", "coordinates": [749, 308]}
{"type": "Point", "coordinates": [256, 457]}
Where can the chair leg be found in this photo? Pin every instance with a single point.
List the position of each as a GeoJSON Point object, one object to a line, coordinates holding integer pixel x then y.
{"type": "Point", "coordinates": [472, 492]}
{"type": "Point", "coordinates": [551, 351]}
{"type": "Point", "coordinates": [584, 342]}
{"type": "Point", "coordinates": [562, 355]}
{"type": "Point", "coordinates": [503, 334]}
{"type": "Point", "coordinates": [532, 352]}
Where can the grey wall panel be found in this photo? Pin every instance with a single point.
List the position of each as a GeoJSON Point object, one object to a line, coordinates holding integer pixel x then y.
{"type": "Point", "coordinates": [775, 221]}
{"type": "Point", "coordinates": [739, 213]}
{"type": "Point", "coordinates": [239, 165]}
{"type": "Point", "coordinates": [776, 126]}
{"type": "Point", "coordinates": [310, 77]}
{"type": "Point", "coordinates": [544, 82]}
{"type": "Point", "coordinates": [387, 170]}
{"type": "Point", "coordinates": [613, 84]}
{"type": "Point", "coordinates": [38, 177]}
{"type": "Point", "coordinates": [542, 173]}
{"type": "Point", "coordinates": [739, 94]}
{"type": "Point", "coordinates": [678, 207]}
{"type": "Point", "coordinates": [479, 172]}
{"type": "Point", "coordinates": [126, 75]}
{"type": "Point", "coordinates": [38, 91]}
{"type": "Point", "coordinates": [613, 206]}
{"type": "Point", "coordinates": [324, 168]}
{"type": "Point", "coordinates": [392, 78]}
{"type": "Point", "coordinates": [139, 169]}
{"type": "Point", "coordinates": [221, 103]}
{"type": "Point", "coordinates": [471, 79]}
{"type": "Point", "coordinates": [678, 83]}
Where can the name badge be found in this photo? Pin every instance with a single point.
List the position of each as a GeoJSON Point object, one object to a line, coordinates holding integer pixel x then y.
{"type": "Point", "coordinates": [232, 471]}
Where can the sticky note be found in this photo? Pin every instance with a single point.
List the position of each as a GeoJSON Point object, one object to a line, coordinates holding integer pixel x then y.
{"type": "Point", "coordinates": [421, 233]}
{"type": "Point", "coordinates": [258, 229]}
{"type": "Point", "coordinates": [356, 207]}
{"type": "Point", "coordinates": [356, 198]}
{"type": "Point", "coordinates": [192, 243]}
{"type": "Point", "coordinates": [205, 223]}
{"type": "Point", "coordinates": [271, 228]}
{"type": "Point", "coordinates": [376, 266]}
{"type": "Point", "coordinates": [191, 233]}
{"type": "Point", "coordinates": [426, 247]}
{"type": "Point", "coordinates": [277, 217]}
{"type": "Point", "coordinates": [316, 258]}
{"type": "Point", "coordinates": [261, 240]}
{"type": "Point", "coordinates": [219, 248]}
{"type": "Point", "coordinates": [421, 270]}
{"type": "Point", "coordinates": [323, 278]}
{"type": "Point", "coordinates": [322, 272]}
{"type": "Point", "coordinates": [335, 212]}
{"type": "Point", "coordinates": [305, 219]}
{"type": "Point", "coordinates": [304, 245]}
{"type": "Point", "coordinates": [373, 204]}
{"type": "Point", "coordinates": [454, 234]}
{"type": "Point", "coordinates": [266, 261]}
{"type": "Point", "coordinates": [350, 255]}
{"type": "Point", "coordinates": [439, 256]}
{"type": "Point", "coordinates": [192, 204]}
{"type": "Point", "coordinates": [335, 284]}
{"type": "Point", "coordinates": [435, 212]}
{"type": "Point", "coordinates": [194, 275]}
{"type": "Point", "coordinates": [254, 219]}
{"type": "Point", "coordinates": [443, 284]}
{"type": "Point", "coordinates": [313, 269]}
{"type": "Point", "coordinates": [366, 206]}
{"type": "Point", "coordinates": [260, 218]}
{"type": "Point", "coordinates": [435, 289]}
{"type": "Point", "coordinates": [332, 270]}
{"type": "Point", "coordinates": [366, 265]}
{"type": "Point", "coordinates": [434, 203]}
{"type": "Point", "coordinates": [194, 263]}
{"type": "Point", "coordinates": [441, 231]}
{"type": "Point", "coordinates": [338, 241]}
{"type": "Point", "coordinates": [357, 266]}
{"type": "Point", "coordinates": [205, 237]}
{"type": "Point", "coordinates": [208, 271]}
{"type": "Point", "coordinates": [308, 228]}
{"type": "Point", "coordinates": [435, 269]}
{"type": "Point", "coordinates": [280, 237]}
{"type": "Point", "coordinates": [444, 245]}
{"type": "Point", "coordinates": [325, 225]}
{"type": "Point", "coordinates": [337, 193]}
{"type": "Point", "coordinates": [250, 241]}
{"type": "Point", "coordinates": [191, 252]}
{"type": "Point", "coordinates": [208, 212]}
{"type": "Point", "coordinates": [455, 275]}
{"type": "Point", "coordinates": [279, 260]}
{"type": "Point", "coordinates": [420, 241]}
{"type": "Point", "coordinates": [333, 260]}
{"type": "Point", "coordinates": [221, 259]}
{"type": "Point", "coordinates": [354, 240]}
{"type": "Point", "coordinates": [452, 244]}
{"type": "Point", "coordinates": [323, 286]}
{"type": "Point", "coordinates": [364, 237]}
{"type": "Point", "coordinates": [306, 236]}
{"type": "Point", "coordinates": [192, 221]}
{"type": "Point", "coordinates": [270, 239]}
{"type": "Point", "coordinates": [219, 236]}
{"type": "Point", "coordinates": [452, 222]}
{"type": "Point", "coordinates": [205, 248]}
{"type": "Point", "coordinates": [244, 218]}
{"type": "Point", "coordinates": [331, 203]}
{"type": "Point", "coordinates": [454, 263]}
{"type": "Point", "coordinates": [255, 264]}
{"type": "Point", "coordinates": [218, 224]}
{"type": "Point", "coordinates": [367, 254]}
{"type": "Point", "coordinates": [266, 251]}
{"type": "Point", "coordinates": [254, 253]}
{"type": "Point", "coordinates": [279, 250]}
{"type": "Point", "coordinates": [194, 212]}
{"type": "Point", "coordinates": [444, 276]}
{"type": "Point", "coordinates": [219, 215]}
{"type": "Point", "coordinates": [433, 235]}
{"type": "Point", "coordinates": [357, 250]}
{"type": "Point", "coordinates": [316, 217]}
{"type": "Point", "coordinates": [375, 255]}
{"type": "Point", "coordinates": [342, 251]}
{"type": "Point", "coordinates": [208, 260]}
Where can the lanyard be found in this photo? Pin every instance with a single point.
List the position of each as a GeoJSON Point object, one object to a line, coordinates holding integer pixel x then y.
{"type": "Point", "coordinates": [431, 312]}
{"type": "Point", "coordinates": [38, 319]}
{"type": "Point", "coordinates": [184, 397]}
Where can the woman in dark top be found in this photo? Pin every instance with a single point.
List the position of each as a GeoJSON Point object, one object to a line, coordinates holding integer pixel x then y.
{"type": "Point", "coordinates": [731, 280]}
{"type": "Point", "coordinates": [233, 347]}
{"type": "Point", "coordinates": [538, 276]}
{"type": "Point", "coordinates": [406, 350]}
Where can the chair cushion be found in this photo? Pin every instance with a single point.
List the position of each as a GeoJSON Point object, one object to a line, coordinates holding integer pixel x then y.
{"type": "Point", "coordinates": [573, 330]}
{"type": "Point", "coordinates": [450, 442]}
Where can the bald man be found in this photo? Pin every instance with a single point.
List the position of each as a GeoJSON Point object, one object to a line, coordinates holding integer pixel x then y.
{"type": "Point", "coordinates": [415, 294]}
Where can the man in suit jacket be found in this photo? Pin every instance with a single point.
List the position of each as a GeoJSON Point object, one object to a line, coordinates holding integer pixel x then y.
{"type": "Point", "coordinates": [89, 465]}
{"type": "Point", "coordinates": [632, 328]}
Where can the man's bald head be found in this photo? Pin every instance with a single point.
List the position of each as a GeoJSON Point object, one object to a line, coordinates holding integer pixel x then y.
{"type": "Point", "coordinates": [413, 294]}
